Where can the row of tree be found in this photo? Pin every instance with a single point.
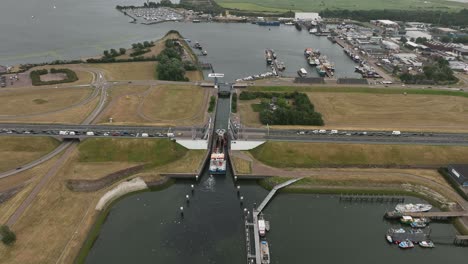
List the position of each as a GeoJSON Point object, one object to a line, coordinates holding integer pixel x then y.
{"type": "Point", "coordinates": [36, 76]}
{"type": "Point", "coordinates": [171, 67]}
{"type": "Point", "coordinates": [438, 72]}
{"type": "Point", "coordinates": [459, 18]}
{"type": "Point", "coordinates": [114, 53]}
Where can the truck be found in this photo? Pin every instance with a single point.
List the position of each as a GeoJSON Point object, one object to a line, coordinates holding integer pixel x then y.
{"type": "Point", "coordinates": [63, 133]}
{"type": "Point", "coordinates": [322, 131]}
{"type": "Point", "coordinates": [333, 131]}
{"type": "Point", "coordinates": [90, 133]}
{"type": "Point", "coordinates": [72, 133]}
{"type": "Point", "coordinates": [144, 135]}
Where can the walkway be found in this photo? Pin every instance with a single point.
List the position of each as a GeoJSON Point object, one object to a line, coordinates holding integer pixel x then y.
{"type": "Point", "coordinates": [259, 209]}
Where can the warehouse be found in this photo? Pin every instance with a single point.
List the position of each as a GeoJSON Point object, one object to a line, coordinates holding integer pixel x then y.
{"type": "Point", "coordinates": [307, 16]}
{"type": "Point", "coordinates": [459, 173]}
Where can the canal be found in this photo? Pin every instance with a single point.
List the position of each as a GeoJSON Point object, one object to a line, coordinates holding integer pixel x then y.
{"type": "Point", "coordinates": [147, 227]}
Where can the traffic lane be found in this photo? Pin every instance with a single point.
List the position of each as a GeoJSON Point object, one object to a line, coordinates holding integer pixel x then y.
{"type": "Point", "coordinates": [373, 140]}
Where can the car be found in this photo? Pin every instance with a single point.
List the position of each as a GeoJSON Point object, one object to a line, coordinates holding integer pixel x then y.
{"type": "Point", "coordinates": [19, 168]}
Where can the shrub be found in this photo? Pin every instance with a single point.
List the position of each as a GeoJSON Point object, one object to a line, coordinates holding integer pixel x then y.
{"type": "Point", "coordinates": [212, 104]}
{"type": "Point", "coordinates": [36, 76]}
{"type": "Point", "coordinates": [8, 237]}
{"type": "Point", "coordinates": [234, 103]}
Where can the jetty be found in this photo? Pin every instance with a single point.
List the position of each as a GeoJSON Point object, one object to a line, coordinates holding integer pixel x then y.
{"type": "Point", "coordinates": [372, 198]}
{"type": "Point", "coordinates": [256, 211]}
{"type": "Point", "coordinates": [461, 241]}
{"type": "Point", "coordinates": [430, 215]}
{"type": "Point", "coordinates": [414, 236]}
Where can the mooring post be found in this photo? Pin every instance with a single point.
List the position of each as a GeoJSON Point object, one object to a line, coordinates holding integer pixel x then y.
{"type": "Point", "coordinates": [187, 198]}
{"type": "Point", "coordinates": [238, 189]}
{"type": "Point", "coordinates": [182, 211]}
{"type": "Point", "coordinates": [193, 188]}
{"type": "Point", "coordinates": [241, 200]}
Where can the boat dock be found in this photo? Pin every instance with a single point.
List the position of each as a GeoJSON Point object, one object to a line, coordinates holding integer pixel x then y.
{"type": "Point", "coordinates": [430, 215]}
{"type": "Point", "coordinates": [415, 237]}
{"type": "Point", "coordinates": [256, 211]}
{"type": "Point", "coordinates": [372, 198]}
{"type": "Point", "coordinates": [461, 241]}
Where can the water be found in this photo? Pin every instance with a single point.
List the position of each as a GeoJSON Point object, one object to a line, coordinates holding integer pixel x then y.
{"type": "Point", "coordinates": [81, 29]}
{"type": "Point", "coordinates": [146, 227]}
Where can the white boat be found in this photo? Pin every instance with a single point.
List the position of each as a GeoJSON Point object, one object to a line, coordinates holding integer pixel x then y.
{"type": "Point", "coordinates": [265, 251]}
{"type": "Point", "coordinates": [261, 227]}
{"type": "Point", "coordinates": [412, 208]}
{"type": "Point", "coordinates": [389, 238]}
{"type": "Point", "coordinates": [302, 72]}
{"type": "Point", "coordinates": [426, 244]}
{"type": "Point", "coordinates": [406, 244]}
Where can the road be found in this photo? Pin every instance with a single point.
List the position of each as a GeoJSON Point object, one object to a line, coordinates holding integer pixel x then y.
{"type": "Point", "coordinates": [354, 136]}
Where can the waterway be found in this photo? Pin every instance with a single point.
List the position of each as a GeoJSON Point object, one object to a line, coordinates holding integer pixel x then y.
{"type": "Point", "coordinates": [35, 31]}
{"type": "Point", "coordinates": [148, 228]}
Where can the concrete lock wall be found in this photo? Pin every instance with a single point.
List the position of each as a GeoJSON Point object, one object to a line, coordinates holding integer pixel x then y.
{"type": "Point", "coordinates": [193, 144]}
{"type": "Point", "coordinates": [245, 145]}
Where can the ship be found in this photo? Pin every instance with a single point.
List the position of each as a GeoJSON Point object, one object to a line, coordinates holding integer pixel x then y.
{"type": "Point", "coordinates": [261, 225]}
{"type": "Point", "coordinates": [218, 157]}
{"type": "Point", "coordinates": [298, 26]}
{"type": "Point", "coordinates": [412, 208]}
{"type": "Point", "coordinates": [269, 56]}
{"type": "Point", "coordinates": [321, 70]}
{"type": "Point", "coordinates": [265, 251]}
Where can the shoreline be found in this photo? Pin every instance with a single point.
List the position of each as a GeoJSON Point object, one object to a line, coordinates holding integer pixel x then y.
{"type": "Point", "coordinates": [101, 217]}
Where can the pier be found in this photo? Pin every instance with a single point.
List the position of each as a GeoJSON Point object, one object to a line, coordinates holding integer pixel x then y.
{"type": "Point", "coordinates": [414, 237]}
{"type": "Point", "coordinates": [257, 254]}
{"type": "Point", "coordinates": [430, 215]}
{"type": "Point", "coordinates": [461, 241]}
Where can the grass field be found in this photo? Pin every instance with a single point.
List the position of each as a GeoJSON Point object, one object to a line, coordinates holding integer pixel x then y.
{"type": "Point", "coordinates": [382, 109]}
{"type": "Point", "coordinates": [16, 151]}
{"type": "Point", "coordinates": [72, 115]}
{"type": "Point", "coordinates": [242, 166]}
{"type": "Point", "coordinates": [309, 155]}
{"type": "Point", "coordinates": [127, 70]}
{"type": "Point", "coordinates": [21, 102]}
{"type": "Point", "coordinates": [161, 104]}
{"type": "Point", "coordinates": [155, 152]}
{"type": "Point", "coordinates": [175, 102]}
{"type": "Point", "coordinates": [317, 5]}
{"type": "Point", "coordinates": [394, 112]}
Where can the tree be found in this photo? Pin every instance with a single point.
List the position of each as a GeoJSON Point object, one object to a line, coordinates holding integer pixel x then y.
{"type": "Point", "coordinates": [420, 40]}
{"type": "Point", "coordinates": [106, 53]}
{"type": "Point", "coordinates": [122, 51]}
{"type": "Point", "coordinates": [403, 39]}
{"type": "Point", "coordinates": [146, 44]}
{"type": "Point", "coordinates": [445, 39]}
{"type": "Point", "coordinates": [8, 237]}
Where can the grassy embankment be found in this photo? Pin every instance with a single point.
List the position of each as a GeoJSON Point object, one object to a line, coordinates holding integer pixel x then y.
{"type": "Point", "coordinates": [377, 109]}
{"type": "Point", "coordinates": [143, 70]}
{"type": "Point", "coordinates": [317, 5]}
{"type": "Point", "coordinates": [163, 105]}
{"type": "Point", "coordinates": [72, 214]}
{"type": "Point", "coordinates": [16, 151]}
{"type": "Point", "coordinates": [311, 155]}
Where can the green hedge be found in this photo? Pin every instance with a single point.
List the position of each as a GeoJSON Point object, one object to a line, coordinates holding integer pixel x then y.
{"type": "Point", "coordinates": [36, 76]}
{"type": "Point", "coordinates": [234, 103]}
{"type": "Point", "coordinates": [455, 185]}
{"type": "Point", "coordinates": [212, 104]}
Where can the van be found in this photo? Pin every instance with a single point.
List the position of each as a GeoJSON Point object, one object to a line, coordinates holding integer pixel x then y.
{"type": "Point", "coordinates": [333, 132]}
{"type": "Point", "coordinates": [90, 133]}
{"type": "Point", "coordinates": [322, 131]}
{"type": "Point", "coordinates": [144, 134]}
{"type": "Point", "coordinates": [396, 133]}
{"type": "Point", "coordinates": [171, 135]}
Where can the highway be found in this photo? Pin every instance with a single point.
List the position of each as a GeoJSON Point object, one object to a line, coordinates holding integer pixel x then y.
{"type": "Point", "coordinates": [354, 136]}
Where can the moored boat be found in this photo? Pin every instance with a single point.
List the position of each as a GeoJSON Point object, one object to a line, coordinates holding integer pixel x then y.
{"type": "Point", "coordinates": [321, 70]}
{"type": "Point", "coordinates": [261, 225]}
{"type": "Point", "coordinates": [426, 244]}
{"type": "Point", "coordinates": [265, 251]}
{"type": "Point", "coordinates": [406, 244]}
{"type": "Point", "coordinates": [389, 238]}
{"type": "Point", "coordinates": [302, 72]}
{"type": "Point", "coordinates": [412, 208]}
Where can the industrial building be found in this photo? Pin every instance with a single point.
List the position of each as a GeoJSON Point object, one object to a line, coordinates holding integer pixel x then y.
{"type": "Point", "coordinates": [307, 16]}
{"type": "Point", "coordinates": [459, 173]}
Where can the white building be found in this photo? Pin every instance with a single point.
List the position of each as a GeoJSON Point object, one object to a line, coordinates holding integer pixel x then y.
{"type": "Point", "coordinates": [307, 16]}
{"type": "Point", "coordinates": [418, 34]}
